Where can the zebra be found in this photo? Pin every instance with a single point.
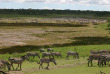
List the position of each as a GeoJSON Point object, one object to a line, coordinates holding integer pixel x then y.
{"type": "Point", "coordinates": [46, 60]}
{"type": "Point", "coordinates": [50, 50]}
{"type": "Point", "coordinates": [57, 54]}
{"type": "Point", "coordinates": [104, 51]}
{"type": "Point", "coordinates": [47, 54]}
{"type": "Point", "coordinates": [18, 61]}
{"type": "Point", "coordinates": [42, 50]}
{"type": "Point", "coordinates": [94, 52]}
{"type": "Point", "coordinates": [4, 64]}
{"type": "Point", "coordinates": [74, 54]}
{"type": "Point", "coordinates": [33, 54]}
{"type": "Point", "coordinates": [94, 57]}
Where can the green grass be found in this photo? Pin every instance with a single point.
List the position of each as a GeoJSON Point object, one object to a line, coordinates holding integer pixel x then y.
{"type": "Point", "coordinates": [83, 69]}
{"type": "Point", "coordinates": [105, 25]}
{"type": "Point", "coordinates": [78, 66]}
{"type": "Point", "coordinates": [83, 50]}
{"type": "Point", "coordinates": [61, 39]}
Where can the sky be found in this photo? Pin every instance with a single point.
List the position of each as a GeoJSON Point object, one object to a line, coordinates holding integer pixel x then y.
{"type": "Point", "coordinates": [96, 5]}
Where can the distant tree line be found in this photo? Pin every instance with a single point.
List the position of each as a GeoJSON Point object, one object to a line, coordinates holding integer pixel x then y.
{"type": "Point", "coordinates": [54, 12]}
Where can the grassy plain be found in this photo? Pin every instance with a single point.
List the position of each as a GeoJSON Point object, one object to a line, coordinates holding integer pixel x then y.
{"type": "Point", "coordinates": [16, 41]}
{"type": "Point", "coordinates": [77, 66]}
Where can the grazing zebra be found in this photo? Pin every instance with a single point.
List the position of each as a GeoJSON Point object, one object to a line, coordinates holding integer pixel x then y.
{"type": "Point", "coordinates": [57, 54]}
{"type": "Point", "coordinates": [50, 50]}
{"type": "Point", "coordinates": [46, 60]}
{"type": "Point", "coordinates": [42, 50]}
{"type": "Point", "coordinates": [18, 61]}
{"type": "Point", "coordinates": [4, 64]}
{"type": "Point", "coordinates": [94, 57]}
{"type": "Point", "coordinates": [107, 57]}
{"type": "Point", "coordinates": [33, 54]}
{"type": "Point", "coordinates": [44, 54]}
{"type": "Point", "coordinates": [94, 52]}
{"type": "Point", "coordinates": [74, 54]}
{"type": "Point", "coordinates": [102, 60]}
{"type": "Point", "coordinates": [104, 51]}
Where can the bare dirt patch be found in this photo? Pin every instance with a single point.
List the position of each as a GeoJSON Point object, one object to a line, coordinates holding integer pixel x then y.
{"type": "Point", "coordinates": [41, 36]}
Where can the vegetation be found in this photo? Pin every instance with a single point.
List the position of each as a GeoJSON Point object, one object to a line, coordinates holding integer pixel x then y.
{"type": "Point", "coordinates": [64, 66]}
{"type": "Point", "coordinates": [10, 13]}
{"type": "Point", "coordinates": [16, 39]}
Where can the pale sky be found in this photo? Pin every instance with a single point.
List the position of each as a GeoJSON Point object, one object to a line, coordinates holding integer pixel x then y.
{"type": "Point", "coordinates": [100, 5]}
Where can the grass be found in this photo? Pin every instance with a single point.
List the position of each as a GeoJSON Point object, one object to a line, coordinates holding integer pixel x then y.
{"type": "Point", "coordinates": [83, 69]}
{"type": "Point", "coordinates": [83, 50]}
{"type": "Point", "coordinates": [62, 39]}
{"type": "Point", "coordinates": [77, 66]}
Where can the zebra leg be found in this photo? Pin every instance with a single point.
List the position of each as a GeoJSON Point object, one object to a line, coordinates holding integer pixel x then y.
{"type": "Point", "coordinates": [17, 67]}
{"type": "Point", "coordinates": [105, 63]}
{"type": "Point", "coordinates": [42, 56]}
{"type": "Point", "coordinates": [99, 62]}
{"type": "Point", "coordinates": [47, 66]}
{"type": "Point", "coordinates": [88, 62]}
{"type": "Point", "coordinates": [68, 57]}
{"type": "Point", "coordinates": [42, 65]}
{"type": "Point", "coordinates": [91, 63]}
{"type": "Point", "coordinates": [12, 66]}
{"type": "Point", "coordinates": [28, 57]}
{"type": "Point", "coordinates": [39, 66]}
{"type": "Point", "coordinates": [20, 66]}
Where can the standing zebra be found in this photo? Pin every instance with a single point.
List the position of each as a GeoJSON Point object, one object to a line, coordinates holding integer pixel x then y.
{"type": "Point", "coordinates": [74, 54]}
{"type": "Point", "coordinates": [46, 60]}
{"type": "Point", "coordinates": [57, 54]}
{"type": "Point", "coordinates": [42, 50]}
{"type": "Point", "coordinates": [94, 57]}
{"type": "Point", "coordinates": [17, 61]}
{"type": "Point", "coordinates": [44, 54]}
{"type": "Point", "coordinates": [50, 50]}
{"type": "Point", "coordinates": [33, 54]}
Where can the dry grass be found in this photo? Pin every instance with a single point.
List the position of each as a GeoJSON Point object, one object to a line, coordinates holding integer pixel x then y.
{"type": "Point", "coordinates": [46, 35]}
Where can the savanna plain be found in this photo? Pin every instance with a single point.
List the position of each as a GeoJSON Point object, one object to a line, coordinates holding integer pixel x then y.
{"type": "Point", "coordinates": [16, 41]}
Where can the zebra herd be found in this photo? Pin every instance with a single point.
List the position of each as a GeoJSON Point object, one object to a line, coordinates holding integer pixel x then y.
{"type": "Point", "coordinates": [47, 57]}
{"type": "Point", "coordinates": [102, 56]}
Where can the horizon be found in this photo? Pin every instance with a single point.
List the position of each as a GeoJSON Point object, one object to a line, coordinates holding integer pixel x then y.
{"type": "Point", "coordinates": [54, 9]}
{"type": "Point", "coordinates": [92, 5]}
